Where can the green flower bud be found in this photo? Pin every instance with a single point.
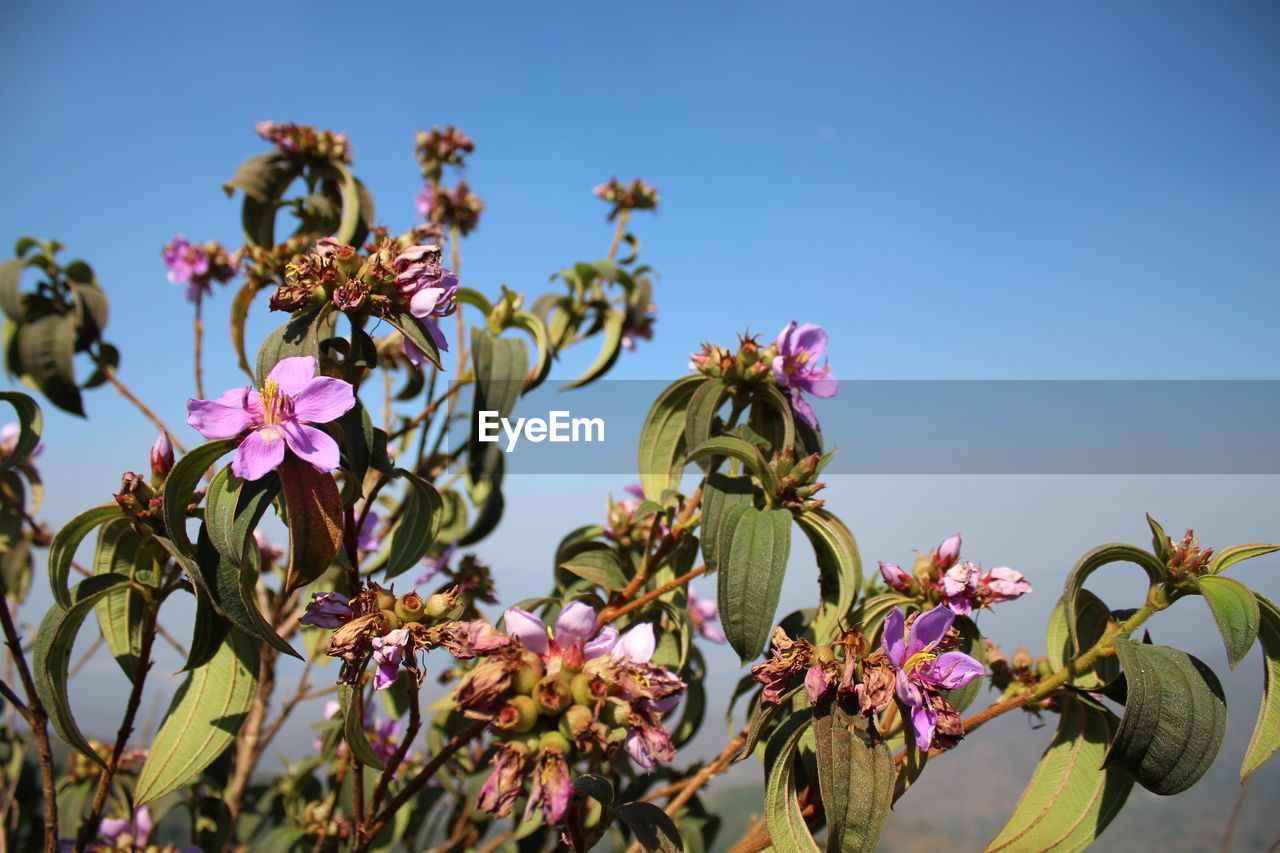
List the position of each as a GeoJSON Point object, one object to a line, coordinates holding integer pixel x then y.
{"type": "Point", "coordinates": [616, 712]}
{"type": "Point", "coordinates": [410, 608]}
{"type": "Point", "coordinates": [529, 674]}
{"type": "Point", "coordinates": [439, 605]}
{"type": "Point", "coordinates": [385, 600]}
{"type": "Point", "coordinates": [553, 741]}
{"type": "Point", "coordinates": [391, 620]}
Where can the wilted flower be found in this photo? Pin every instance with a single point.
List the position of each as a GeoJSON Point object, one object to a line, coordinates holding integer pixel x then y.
{"type": "Point", "coordinates": [795, 367]}
{"type": "Point", "coordinates": [959, 586]}
{"type": "Point", "coordinates": [292, 396]}
{"type": "Point", "coordinates": [552, 785]}
{"type": "Point", "coordinates": [428, 290]}
{"type": "Point", "coordinates": [922, 671]}
{"type": "Point", "coordinates": [1002, 584]}
{"type": "Point", "coordinates": [388, 652]}
{"type": "Point", "coordinates": [327, 610]}
{"type": "Point", "coordinates": [788, 659]}
{"type": "Point", "coordinates": [506, 783]}
{"type": "Point", "coordinates": [705, 614]}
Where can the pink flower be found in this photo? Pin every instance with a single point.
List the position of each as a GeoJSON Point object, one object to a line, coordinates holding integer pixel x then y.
{"type": "Point", "coordinates": [365, 540]}
{"type": "Point", "coordinates": [138, 829]}
{"type": "Point", "coordinates": [575, 639]}
{"type": "Point", "coordinates": [959, 587]}
{"type": "Point", "coordinates": [921, 671]}
{"type": "Point", "coordinates": [327, 610]}
{"type": "Point", "coordinates": [1002, 584]}
{"type": "Point", "coordinates": [388, 651]}
{"type": "Point", "coordinates": [796, 367]}
{"type": "Point", "coordinates": [292, 396]}
{"type": "Point", "coordinates": [705, 614]}
{"type": "Point", "coordinates": [894, 576]}
{"type": "Point", "coordinates": [162, 455]}
{"type": "Point", "coordinates": [948, 552]}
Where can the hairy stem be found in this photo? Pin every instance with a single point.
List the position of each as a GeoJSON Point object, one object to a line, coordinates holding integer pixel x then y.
{"type": "Point", "coordinates": [197, 345]}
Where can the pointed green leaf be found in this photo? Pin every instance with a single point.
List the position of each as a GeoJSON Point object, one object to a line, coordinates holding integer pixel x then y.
{"type": "Point", "coordinates": [839, 569]}
{"type": "Point", "coordinates": [1174, 719]}
{"type": "Point", "coordinates": [747, 454]}
{"type": "Point", "coordinates": [719, 493]}
{"type": "Point", "coordinates": [1092, 619]}
{"type": "Point", "coordinates": [30, 426]}
{"type": "Point", "coordinates": [181, 484]}
{"type": "Point", "coordinates": [1070, 798]}
{"type": "Point", "coordinates": [787, 830]}
{"type": "Point", "coordinates": [750, 581]}
{"type": "Point", "coordinates": [1115, 552]}
{"type": "Point", "coordinates": [662, 446]}
{"type": "Point", "coordinates": [46, 346]}
{"type": "Point", "coordinates": [418, 527]}
{"type": "Point", "coordinates": [1228, 557]}
{"type": "Point", "coordinates": [599, 566]}
{"type": "Point", "coordinates": [1235, 610]}
{"type": "Point", "coordinates": [353, 729]}
{"type": "Point", "coordinates": [856, 776]}
{"type": "Point", "coordinates": [707, 398]}
{"type": "Point", "coordinates": [1266, 732]}
{"type": "Point", "coordinates": [203, 720]}
{"type": "Point", "coordinates": [313, 514]}
{"type": "Point", "coordinates": [63, 548]}
{"type": "Point", "coordinates": [411, 328]}
{"type": "Point", "coordinates": [122, 551]}
{"type": "Point", "coordinates": [653, 829]}
{"type": "Point", "coordinates": [500, 365]}
{"type": "Point", "coordinates": [610, 349]}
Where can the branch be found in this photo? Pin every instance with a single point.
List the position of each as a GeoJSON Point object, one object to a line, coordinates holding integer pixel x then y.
{"type": "Point", "coordinates": [33, 712]}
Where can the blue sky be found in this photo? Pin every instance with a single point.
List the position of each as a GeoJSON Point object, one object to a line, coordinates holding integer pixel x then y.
{"type": "Point", "coordinates": [977, 190]}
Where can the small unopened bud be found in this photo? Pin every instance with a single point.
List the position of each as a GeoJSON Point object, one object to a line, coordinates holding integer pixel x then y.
{"type": "Point", "coordinates": [1021, 658]}
{"type": "Point", "coordinates": [616, 713]}
{"type": "Point", "coordinates": [440, 605]}
{"type": "Point", "coordinates": [519, 715]}
{"type": "Point", "coordinates": [553, 741]}
{"type": "Point", "coordinates": [575, 721]}
{"type": "Point", "coordinates": [552, 694]}
{"type": "Point", "coordinates": [530, 673]}
{"type": "Point", "coordinates": [391, 620]}
{"type": "Point", "coordinates": [409, 607]}
{"type": "Point", "coordinates": [162, 455]}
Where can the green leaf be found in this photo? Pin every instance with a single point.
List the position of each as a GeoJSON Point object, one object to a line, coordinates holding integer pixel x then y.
{"type": "Point", "coordinates": [353, 729]}
{"type": "Point", "coordinates": [11, 289]}
{"type": "Point", "coordinates": [45, 348]}
{"type": "Point", "coordinates": [419, 525]}
{"type": "Point", "coordinates": [750, 581]}
{"type": "Point", "coordinates": [600, 566]}
{"type": "Point", "coordinates": [121, 614]}
{"type": "Point", "coordinates": [411, 328]}
{"type": "Point", "coordinates": [300, 336]}
{"type": "Point", "coordinates": [856, 775]}
{"type": "Point", "coordinates": [609, 351]}
{"type": "Point", "coordinates": [595, 786]}
{"type": "Point", "coordinates": [233, 508]}
{"type": "Point", "coordinates": [1235, 610]}
{"type": "Point", "coordinates": [719, 494]}
{"type": "Point", "coordinates": [1092, 619]}
{"type": "Point", "coordinates": [780, 429]}
{"type": "Point", "coordinates": [180, 486]}
{"type": "Point", "coordinates": [1160, 545]}
{"type": "Point", "coordinates": [256, 177]}
{"type": "Point", "coordinates": [1174, 719]}
{"type": "Point", "coordinates": [707, 398]}
{"type": "Point", "coordinates": [500, 365]}
{"type": "Point", "coordinates": [313, 510]}
{"type": "Point", "coordinates": [30, 427]}
{"type": "Point", "coordinates": [1266, 732]}
{"type": "Point", "coordinates": [533, 325]}
{"type": "Point", "coordinates": [1103, 555]}
{"type": "Point", "coordinates": [1228, 557]}
{"type": "Point", "coordinates": [787, 830]}
{"type": "Point", "coordinates": [662, 446]}
{"type": "Point", "coordinates": [1070, 798]}
{"type": "Point", "coordinates": [51, 656]}
{"type": "Point", "coordinates": [747, 454]}
{"type": "Point", "coordinates": [203, 720]}
{"type": "Point", "coordinates": [839, 569]}
{"type": "Point", "coordinates": [654, 830]}
{"type": "Point", "coordinates": [63, 548]}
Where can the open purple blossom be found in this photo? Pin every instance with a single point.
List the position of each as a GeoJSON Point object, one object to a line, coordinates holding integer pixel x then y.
{"type": "Point", "coordinates": [277, 417]}
{"type": "Point", "coordinates": [388, 652]}
{"type": "Point", "coordinates": [796, 368]}
{"type": "Point", "coordinates": [922, 671]}
{"type": "Point", "coordinates": [705, 614]}
{"type": "Point", "coordinates": [327, 610]}
{"type": "Point", "coordinates": [575, 639]}
{"type": "Point", "coordinates": [197, 266]}
{"type": "Point", "coordinates": [428, 291]}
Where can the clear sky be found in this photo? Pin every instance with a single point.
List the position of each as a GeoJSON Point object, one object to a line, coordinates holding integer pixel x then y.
{"type": "Point", "coordinates": [976, 190]}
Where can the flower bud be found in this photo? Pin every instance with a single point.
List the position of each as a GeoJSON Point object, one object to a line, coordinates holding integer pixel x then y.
{"type": "Point", "coordinates": [616, 713]}
{"type": "Point", "coordinates": [530, 673]}
{"type": "Point", "coordinates": [519, 715]}
{"type": "Point", "coordinates": [391, 620]}
{"type": "Point", "coordinates": [385, 600]}
{"type": "Point", "coordinates": [552, 694]}
{"type": "Point", "coordinates": [553, 741]}
{"type": "Point", "coordinates": [162, 456]}
{"type": "Point", "coordinates": [439, 605]}
{"type": "Point", "coordinates": [409, 607]}
{"type": "Point", "coordinates": [575, 721]}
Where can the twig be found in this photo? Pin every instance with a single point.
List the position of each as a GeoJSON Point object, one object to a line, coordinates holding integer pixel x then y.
{"type": "Point", "coordinates": [110, 373]}
{"type": "Point", "coordinates": [650, 596]}
{"type": "Point", "coordinates": [37, 719]}
{"type": "Point", "coordinates": [198, 345]}
{"type": "Point", "coordinates": [618, 232]}
{"type": "Point", "coordinates": [1235, 816]}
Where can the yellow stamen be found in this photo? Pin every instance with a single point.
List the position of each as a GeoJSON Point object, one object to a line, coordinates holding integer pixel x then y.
{"type": "Point", "coordinates": [270, 402]}
{"type": "Point", "coordinates": [917, 660]}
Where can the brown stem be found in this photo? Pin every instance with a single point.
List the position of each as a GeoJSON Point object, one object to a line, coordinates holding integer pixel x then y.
{"type": "Point", "coordinates": [110, 374]}
{"type": "Point", "coordinates": [657, 593]}
{"type": "Point", "coordinates": [89, 829]}
{"type": "Point", "coordinates": [197, 346]}
{"type": "Point", "coordinates": [388, 772]}
{"type": "Point", "coordinates": [660, 553]}
{"type": "Point", "coordinates": [419, 781]}
{"type": "Point", "coordinates": [38, 721]}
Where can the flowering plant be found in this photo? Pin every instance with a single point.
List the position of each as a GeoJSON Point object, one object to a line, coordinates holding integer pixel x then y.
{"type": "Point", "coordinates": [560, 722]}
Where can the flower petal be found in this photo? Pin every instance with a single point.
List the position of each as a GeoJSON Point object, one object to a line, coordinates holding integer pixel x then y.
{"type": "Point", "coordinates": [323, 399]}
{"type": "Point", "coordinates": [638, 644]}
{"type": "Point", "coordinates": [807, 337]}
{"type": "Point", "coordinates": [292, 374]}
{"type": "Point", "coordinates": [261, 451]}
{"type": "Point", "coordinates": [214, 419]}
{"type": "Point", "coordinates": [892, 638]}
{"type": "Point", "coordinates": [312, 445]}
{"type": "Point", "coordinates": [952, 670]}
{"type": "Point", "coordinates": [528, 629]}
{"type": "Point", "coordinates": [803, 410]}
{"type": "Point", "coordinates": [577, 623]}
{"type": "Point", "coordinates": [924, 721]}
{"type": "Point", "coordinates": [929, 628]}
{"type": "Point", "coordinates": [422, 303]}
{"type": "Point", "coordinates": [602, 643]}
{"type": "Point", "coordinates": [666, 703]}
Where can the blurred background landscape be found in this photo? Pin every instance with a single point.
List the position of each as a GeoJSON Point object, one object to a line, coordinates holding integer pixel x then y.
{"type": "Point", "coordinates": [976, 191]}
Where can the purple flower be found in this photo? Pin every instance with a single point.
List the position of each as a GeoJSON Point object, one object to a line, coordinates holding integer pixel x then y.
{"type": "Point", "coordinates": [647, 741]}
{"type": "Point", "coordinates": [292, 396]}
{"type": "Point", "coordinates": [388, 651]}
{"type": "Point", "coordinates": [575, 639]}
{"type": "Point", "coordinates": [427, 289]}
{"type": "Point", "coordinates": [365, 540]}
{"type": "Point", "coordinates": [327, 610]}
{"type": "Point", "coordinates": [162, 455]}
{"type": "Point", "coordinates": [9, 435]}
{"type": "Point", "coordinates": [1002, 584]}
{"type": "Point", "coordinates": [188, 264]}
{"type": "Point", "coordinates": [795, 367]}
{"type": "Point", "coordinates": [635, 490]}
{"type": "Point", "coordinates": [894, 576]}
{"type": "Point", "coordinates": [959, 585]}
{"type": "Point", "coordinates": [921, 672]}
{"type": "Point", "coordinates": [506, 783]}
{"type": "Point", "coordinates": [948, 552]}
{"type": "Point", "coordinates": [122, 832]}
{"type": "Point", "coordinates": [705, 614]}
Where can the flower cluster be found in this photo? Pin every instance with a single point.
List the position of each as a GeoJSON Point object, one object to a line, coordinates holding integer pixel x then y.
{"type": "Point", "coordinates": [917, 659]}
{"type": "Point", "coordinates": [637, 195]}
{"type": "Point", "coordinates": [625, 528]}
{"type": "Point", "coordinates": [798, 480]}
{"type": "Point", "coordinates": [559, 696]}
{"type": "Point", "coordinates": [304, 140]}
{"type": "Point", "coordinates": [1186, 558]}
{"type": "Point", "coordinates": [439, 148]}
{"type": "Point", "coordinates": [639, 326]}
{"type": "Point", "coordinates": [276, 418]}
{"type": "Point", "coordinates": [458, 207]}
{"type": "Point", "coordinates": [198, 266]}
{"type": "Point", "coordinates": [964, 587]}
{"type": "Point", "coordinates": [791, 361]}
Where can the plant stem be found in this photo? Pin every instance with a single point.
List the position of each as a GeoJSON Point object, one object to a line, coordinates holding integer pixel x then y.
{"type": "Point", "coordinates": [618, 233]}
{"type": "Point", "coordinates": [652, 594]}
{"type": "Point", "coordinates": [197, 345]}
{"type": "Point", "coordinates": [615, 609]}
{"type": "Point", "coordinates": [110, 373]}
